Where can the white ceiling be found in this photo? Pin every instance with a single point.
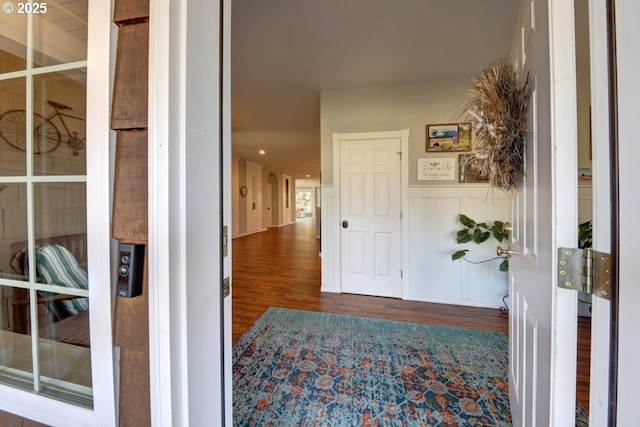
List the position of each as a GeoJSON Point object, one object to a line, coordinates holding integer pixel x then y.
{"type": "Point", "coordinates": [284, 52]}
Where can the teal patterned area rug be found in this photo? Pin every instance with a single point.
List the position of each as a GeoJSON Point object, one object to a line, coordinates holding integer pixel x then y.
{"type": "Point", "coordinates": [299, 368]}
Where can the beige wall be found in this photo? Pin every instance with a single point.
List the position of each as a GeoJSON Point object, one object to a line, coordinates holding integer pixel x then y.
{"type": "Point", "coordinates": [583, 83]}
{"type": "Point", "coordinates": [388, 108]}
{"type": "Point", "coordinates": [413, 107]}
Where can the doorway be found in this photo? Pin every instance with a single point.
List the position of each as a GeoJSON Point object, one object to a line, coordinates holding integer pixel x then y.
{"type": "Point", "coordinates": [304, 203]}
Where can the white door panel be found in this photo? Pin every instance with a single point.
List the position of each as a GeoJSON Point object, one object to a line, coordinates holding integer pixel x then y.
{"type": "Point", "coordinates": [370, 216]}
{"type": "Point", "coordinates": [540, 357]}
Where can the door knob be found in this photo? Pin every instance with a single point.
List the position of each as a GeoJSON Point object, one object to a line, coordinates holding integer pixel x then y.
{"type": "Point", "coordinates": [345, 224]}
{"type": "Point", "coordinates": [508, 252]}
{"type": "Point", "coordinates": [507, 227]}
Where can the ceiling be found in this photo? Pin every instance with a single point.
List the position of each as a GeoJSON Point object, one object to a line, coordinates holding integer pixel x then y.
{"type": "Point", "coordinates": [285, 52]}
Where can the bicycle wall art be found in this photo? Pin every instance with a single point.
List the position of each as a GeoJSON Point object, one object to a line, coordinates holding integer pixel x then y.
{"type": "Point", "coordinates": [46, 135]}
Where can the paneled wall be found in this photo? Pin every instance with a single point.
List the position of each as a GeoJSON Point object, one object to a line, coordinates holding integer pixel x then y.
{"type": "Point", "coordinates": [432, 221]}
{"type": "Point", "coordinates": [430, 241]}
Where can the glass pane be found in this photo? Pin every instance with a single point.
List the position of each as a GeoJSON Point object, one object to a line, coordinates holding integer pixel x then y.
{"type": "Point", "coordinates": [65, 358]}
{"type": "Point", "coordinates": [13, 42]}
{"type": "Point", "coordinates": [13, 230]}
{"type": "Point", "coordinates": [61, 260]}
{"type": "Point", "coordinates": [61, 219]}
{"type": "Point", "coordinates": [59, 32]}
{"type": "Point", "coordinates": [59, 107]}
{"type": "Point", "coordinates": [15, 335]}
{"type": "Point", "coordinates": [13, 122]}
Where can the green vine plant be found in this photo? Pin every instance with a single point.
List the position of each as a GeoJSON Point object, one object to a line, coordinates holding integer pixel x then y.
{"type": "Point", "coordinates": [585, 235]}
{"type": "Point", "coordinates": [479, 232]}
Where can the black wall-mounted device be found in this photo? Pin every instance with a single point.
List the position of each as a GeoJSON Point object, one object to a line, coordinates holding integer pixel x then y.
{"type": "Point", "coordinates": [130, 270]}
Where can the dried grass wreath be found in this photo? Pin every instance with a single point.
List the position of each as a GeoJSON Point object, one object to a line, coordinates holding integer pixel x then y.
{"type": "Point", "coordinates": [498, 112]}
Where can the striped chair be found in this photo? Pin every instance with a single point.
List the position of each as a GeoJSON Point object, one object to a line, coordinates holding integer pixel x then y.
{"type": "Point", "coordinates": [55, 265]}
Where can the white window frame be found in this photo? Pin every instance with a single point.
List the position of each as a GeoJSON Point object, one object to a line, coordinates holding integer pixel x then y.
{"type": "Point", "coordinates": [38, 407]}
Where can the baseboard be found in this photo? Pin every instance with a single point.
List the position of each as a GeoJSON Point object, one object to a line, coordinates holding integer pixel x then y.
{"type": "Point", "coordinates": [466, 303]}
{"type": "Point", "coordinates": [281, 225]}
{"type": "Point", "coordinates": [249, 233]}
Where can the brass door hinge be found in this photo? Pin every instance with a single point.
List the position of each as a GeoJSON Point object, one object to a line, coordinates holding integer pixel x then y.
{"type": "Point", "coordinates": [585, 270]}
{"type": "Point", "coordinates": [226, 287]}
{"type": "Point", "coordinates": [225, 241]}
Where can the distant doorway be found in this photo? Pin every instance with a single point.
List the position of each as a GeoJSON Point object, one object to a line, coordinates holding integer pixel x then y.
{"type": "Point", "coordinates": [304, 204]}
{"type": "Point", "coordinates": [273, 204]}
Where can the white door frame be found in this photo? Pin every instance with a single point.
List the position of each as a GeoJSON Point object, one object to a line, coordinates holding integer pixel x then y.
{"type": "Point", "coordinates": [628, 93]}
{"type": "Point", "coordinates": [404, 175]}
{"type": "Point", "coordinates": [564, 140]}
{"type": "Point", "coordinates": [601, 309]}
{"type": "Point", "coordinates": [189, 319]}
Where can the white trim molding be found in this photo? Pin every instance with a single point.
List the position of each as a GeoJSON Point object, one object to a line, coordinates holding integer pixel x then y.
{"type": "Point", "coordinates": [328, 242]}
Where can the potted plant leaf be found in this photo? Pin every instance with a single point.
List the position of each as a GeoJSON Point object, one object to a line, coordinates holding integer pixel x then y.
{"type": "Point", "coordinates": [480, 232]}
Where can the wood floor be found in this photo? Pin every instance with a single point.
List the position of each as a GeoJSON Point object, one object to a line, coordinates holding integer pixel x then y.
{"type": "Point", "coordinates": [281, 268]}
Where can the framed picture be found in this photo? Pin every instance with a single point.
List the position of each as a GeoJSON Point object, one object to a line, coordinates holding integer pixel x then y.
{"type": "Point", "coordinates": [449, 137]}
{"type": "Point", "coordinates": [469, 170]}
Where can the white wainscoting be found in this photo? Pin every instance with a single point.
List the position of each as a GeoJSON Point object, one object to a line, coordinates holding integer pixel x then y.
{"type": "Point", "coordinates": [329, 243]}
{"type": "Point", "coordinates": [430, 216]}
{"type": "Point", "coordinates": [432, 225]}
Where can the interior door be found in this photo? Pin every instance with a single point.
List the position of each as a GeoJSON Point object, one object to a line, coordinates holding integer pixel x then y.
{"type": "Point", "coordinates": [542, 331]}
{"type": "Point", "coordinates": [370, 207]}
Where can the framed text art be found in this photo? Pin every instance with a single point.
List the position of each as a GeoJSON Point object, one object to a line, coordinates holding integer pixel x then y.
{"type": "Point", "coordinates": [449, 137]}
{"type": "Point", "coordinates": [437, 169]}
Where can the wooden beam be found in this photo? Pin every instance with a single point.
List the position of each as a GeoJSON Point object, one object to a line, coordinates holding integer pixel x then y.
{"type": "Point", "coordinates": [129, 108]}
{"type": "Point", "coordinates": [131, 11]}
{"type": "Point", "coordinates": [129, 222]}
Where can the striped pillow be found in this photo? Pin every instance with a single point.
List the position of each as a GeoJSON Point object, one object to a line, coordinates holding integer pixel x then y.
{"type": "Point", "coordinates": [55, 265]}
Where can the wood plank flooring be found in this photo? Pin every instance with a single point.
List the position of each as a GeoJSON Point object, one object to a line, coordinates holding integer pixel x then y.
{"type": "Point", "coordinates": [281, 267]}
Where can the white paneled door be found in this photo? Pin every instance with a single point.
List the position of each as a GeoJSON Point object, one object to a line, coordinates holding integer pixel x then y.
{"type": "Point", "coordinates": [542, 319]}
{"type": "Point", "coordinates": [530, 315]}
{"type": "Point", "coordinates": [370, 220]}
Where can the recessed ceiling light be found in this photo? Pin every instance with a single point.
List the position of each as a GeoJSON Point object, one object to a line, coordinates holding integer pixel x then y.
{"type": "Point", "coordinates": [262, 152]}
{"type": "Point", "coordinates": [308, 175]}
